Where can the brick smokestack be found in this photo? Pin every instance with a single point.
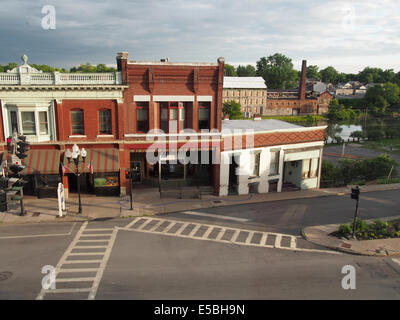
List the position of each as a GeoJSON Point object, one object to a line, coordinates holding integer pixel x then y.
{"type": "Point", "coordinates": [303, 80]}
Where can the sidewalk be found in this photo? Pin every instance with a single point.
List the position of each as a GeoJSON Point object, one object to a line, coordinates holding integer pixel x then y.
{"type": "Point", "coordinates": [380, 248]}
{"type": "Point", "coordinates": [147, 202]}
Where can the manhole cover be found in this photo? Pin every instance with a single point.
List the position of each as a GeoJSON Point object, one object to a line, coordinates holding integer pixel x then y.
{"type": "Point", "coordinates": [4, 275]}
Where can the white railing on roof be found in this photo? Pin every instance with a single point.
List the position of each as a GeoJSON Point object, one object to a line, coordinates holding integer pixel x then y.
{"type": "Point", "coordinates": [57, 78]}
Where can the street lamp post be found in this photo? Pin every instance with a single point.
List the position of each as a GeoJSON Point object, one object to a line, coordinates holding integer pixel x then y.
{"type": "Point", "coordinates": [78, 156]}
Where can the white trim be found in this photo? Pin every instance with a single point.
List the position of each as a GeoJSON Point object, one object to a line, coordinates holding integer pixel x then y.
{"type": "Point", "coordinates": [204, 98]}
{"type": "Point", "coordinates": [174, 98]}
{"type": "Point", "coordinates": [77, 136]}
{"type": "Point", "coordinates": [252, 132]}
{"type": "Point", "coordinates": [144, 135]}
{"type": "Point", "coordinates": [159, 63]}
{"type": "Point", "coordinates": [105, 136]}
{"type": "Point", "coordinates": [141, 98]}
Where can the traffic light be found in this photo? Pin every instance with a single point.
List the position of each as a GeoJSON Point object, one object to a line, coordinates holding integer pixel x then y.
{"type": "Point", "coordinates": [355, 193]}
{"type": "Point", "coordinates": [10, 145]}
{"type": "Point", "coordinates": [22, 147]}
{"type": "Point", "coordinates": [128, 174]}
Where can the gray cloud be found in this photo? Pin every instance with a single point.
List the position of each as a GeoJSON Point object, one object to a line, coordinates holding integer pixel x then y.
{"type": "Point", "coordinates": [347, 36]}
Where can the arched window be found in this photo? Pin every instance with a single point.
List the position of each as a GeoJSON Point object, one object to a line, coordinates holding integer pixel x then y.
{"type": "Point", "coordinates": [105, 121]}
{"type": "Point", "coordinates": [77, 124]}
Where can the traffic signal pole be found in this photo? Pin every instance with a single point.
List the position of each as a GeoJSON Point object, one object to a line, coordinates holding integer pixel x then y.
{"type": "Point", "coordinates": [355, 220]}
{"type": "Point", "coordinates": [355, 194]}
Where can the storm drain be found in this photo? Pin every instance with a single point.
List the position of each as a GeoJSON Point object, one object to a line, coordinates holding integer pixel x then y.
{"type": "Point", "coordinates": [4, 275]}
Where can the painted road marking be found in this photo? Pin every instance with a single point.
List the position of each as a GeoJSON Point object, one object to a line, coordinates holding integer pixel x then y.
{"type": "Point", "coordinates": [396, 260]}
{"type": "Point", "coordinates": [208, 215]}
{"type": "Point", "coordinates": [41, 235]}
{"type": "Point", "coordinates": [250, 240]}
{"type": "Point", "coordinates": [72, 266]}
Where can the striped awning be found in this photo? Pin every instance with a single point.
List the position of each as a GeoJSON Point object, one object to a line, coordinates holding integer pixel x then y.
{"type": "Point", "coordinates": [102, 160]}
{"type": "Point", "coordinates": [42, 162]}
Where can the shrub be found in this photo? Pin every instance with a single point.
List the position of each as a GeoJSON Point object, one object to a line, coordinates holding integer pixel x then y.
{"type": "Point", "coordinates": [345, 229]}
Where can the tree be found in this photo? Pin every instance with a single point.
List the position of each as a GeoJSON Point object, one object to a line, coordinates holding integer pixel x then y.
{"type": "Point", "coordinates": [312, 72]}
{"type": "Point", "coordinates": [232, 109]}
{"type": "Point", "coordinates": [277, 71]}
{"type": "Point", "coordinates": [229, 71]}
{"type": "Point", "coordinates": [380, 97]}
{"type": "Point", "coordinates": [329, 75]}
{"type": "Point", "coordinates": [339, 111]}
{"type": "Point", "coordinates": [246, 71]}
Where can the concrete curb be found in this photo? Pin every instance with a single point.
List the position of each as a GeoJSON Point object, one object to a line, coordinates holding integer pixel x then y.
{"type": "Point", "coordinates": [376, 249]}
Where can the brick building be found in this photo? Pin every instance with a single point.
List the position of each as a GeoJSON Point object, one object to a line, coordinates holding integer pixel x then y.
{"type": "Point", "coordinates": [250, 92]}
{"type": "Point", "coordinates": [291, 101]}
{"type": "Point", "coordinates": [118, 116]}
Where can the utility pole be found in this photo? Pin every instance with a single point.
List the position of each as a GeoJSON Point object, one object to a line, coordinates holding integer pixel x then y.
{"type": "Point", "coordinates": [355, 194]}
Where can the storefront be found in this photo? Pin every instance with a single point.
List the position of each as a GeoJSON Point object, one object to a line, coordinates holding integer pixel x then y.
{"type": "Point", "coordinates": [99, 173]}
{"type": "Point", "coordinates": [42, 173]}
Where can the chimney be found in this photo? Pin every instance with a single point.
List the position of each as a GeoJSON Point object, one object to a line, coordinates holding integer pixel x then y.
{"type": "Point", "coordinates": [303, 80]}
{"type": "Point", "coordinates": [122, 59]}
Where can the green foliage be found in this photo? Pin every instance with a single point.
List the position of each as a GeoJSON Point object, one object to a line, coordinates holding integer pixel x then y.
{"type": "Point", "coordinates": [312, 72]}
{"type": "Point", "coordinates": [229, 71]}
{"type": "Point", "coordinates": [246, 71]}
{"type": "Point", "coordinates": [89, 68]}
{"type": "Point", "coordinates": [358, 170]}
{"type": "Point", "coordinates": [277, 71]}
{"type": "Point", "coordinates": [388, 181]}
{"type": "Point", "coordinates": [340, 112]}
{"type": "Point", "coordinates": [380, 97]}
{"type": "Point", "coordinates": [357, 134]}
{"type": "Point", "coordinates": [345, 229]}
{"type": "Point", "coordinates": [368, 231]}
{"type": "Point", "coordinates": [232, 108]}
{"type": "Point", "coordinates": [329, 75]}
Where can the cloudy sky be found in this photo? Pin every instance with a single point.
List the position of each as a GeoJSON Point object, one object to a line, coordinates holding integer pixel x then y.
{"type": "Point", "coordinates": [348, 35]}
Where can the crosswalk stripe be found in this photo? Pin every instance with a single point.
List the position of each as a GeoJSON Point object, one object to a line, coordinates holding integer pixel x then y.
{"type": "Point", "coordinates": [293, 242]}
{"type": "Point", "coordinates": [74, 290]}
{"type": "Point", "coordinates": [249, 237]}
{"type": "Point", "coordinates": [235, 235]}
{"type": "Point", "coordinates": [195, 229]}
{"type": "Point", "coordinates": [94, 240]}
{"type": "Point", "coordinates": [169, 227]}
{"type": "Point", "coordinates": [97, 235]}
{"type": "Point", "coordinates": [220, 234]}
{"type": "Point", "coordinates": [86, 253]}
{"type": "Point", "coordinates": [102, 229]}
{"type": "Point", "coordinates": [144, 224]}
{"type": "Point", "coordinates": [90, 247]}
{"type": "Point", "coordinates": [133, 222]}
{"type": "Point", "coordinates": [263, 238]}
{"type": "Point", "coordinates": [88, 279]}
{"type": "Point", "coordinates": [78, 270]}
{"type": "Point", "coordinates": [207, 233]}
{"type": "Point", "coordinates": [159, 223]}
{"type": "Point", "coordinates": [278, 240]}
{"type": "Point", "coordinates": [183, 227]}
{"type": "Point", "coordinates": [81, 261]}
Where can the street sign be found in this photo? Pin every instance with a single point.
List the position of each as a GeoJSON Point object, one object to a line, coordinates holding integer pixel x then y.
{"type": "Point", "coordinates": [61, 199]}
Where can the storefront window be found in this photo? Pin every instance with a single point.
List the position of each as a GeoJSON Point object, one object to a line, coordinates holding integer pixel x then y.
{"type": "Point", "coordinates": [28, 123]}
{"type": "Point", "coordinates": [77, 122]}
{"type": "Point", "coordinates": [142, 116]}
{"type": "Point", "coordinates": [105, 121]}
{"type": "Point", "coordinates": [172, 116]}
{"type": "Point", "coordinates": [43, 123]}
{"type": "Point", "coordinates": [204, 115]}
{"type": "Point", "coordinates": [255, 164]}
{"type": "Point", "coordinates": [274, 163]}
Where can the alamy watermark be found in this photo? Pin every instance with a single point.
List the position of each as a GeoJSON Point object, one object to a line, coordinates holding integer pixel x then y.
{"type": "Point", "coordinates": [49, 20]}
{"type": "Point", "coordinates": [49, 280]}
{"type": "Point", "coordinates": [349, 280]}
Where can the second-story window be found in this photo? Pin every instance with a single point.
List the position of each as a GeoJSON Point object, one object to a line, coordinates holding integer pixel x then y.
{"type": "Point", "coordinates": [142, 117]}
{"type": "Point", "coordinates": [105, 121]}
{"type": "Point", "coordinates": [77, 122]}
{"type": "Point", "coordinates": [204, 115]}
{"type": "Point", "coordinates": [28, 123]}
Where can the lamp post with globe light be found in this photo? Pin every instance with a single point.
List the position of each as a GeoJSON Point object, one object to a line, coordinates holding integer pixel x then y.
{"type": "Point", "coordinates": [78, 156]}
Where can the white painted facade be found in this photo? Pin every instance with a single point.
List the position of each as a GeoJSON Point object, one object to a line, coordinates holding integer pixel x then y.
{"type": "Point", "coordinates": [287, 155]}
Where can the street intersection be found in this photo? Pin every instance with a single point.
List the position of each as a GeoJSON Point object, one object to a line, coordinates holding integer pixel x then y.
{"type": "Point", "coordinates": [252, 251]}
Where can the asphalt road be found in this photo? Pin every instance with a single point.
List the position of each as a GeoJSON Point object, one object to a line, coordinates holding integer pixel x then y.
{"type": "Point", "coordinates": [140, 264]}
